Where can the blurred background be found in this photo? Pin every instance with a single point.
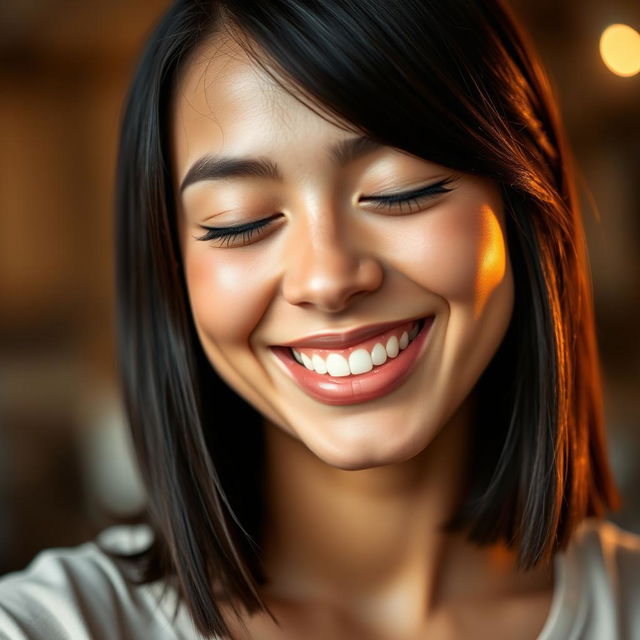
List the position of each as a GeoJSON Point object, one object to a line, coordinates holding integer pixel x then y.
{"type": "Point", "coordinates": [64, 69]}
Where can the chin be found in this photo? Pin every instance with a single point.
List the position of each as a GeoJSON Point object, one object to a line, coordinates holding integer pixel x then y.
{"type": "Point", "coordinates": [365, 453]}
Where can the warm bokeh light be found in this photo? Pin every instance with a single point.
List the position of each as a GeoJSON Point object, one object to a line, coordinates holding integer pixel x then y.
{"type": "Point", "coordinates": [620, 49]}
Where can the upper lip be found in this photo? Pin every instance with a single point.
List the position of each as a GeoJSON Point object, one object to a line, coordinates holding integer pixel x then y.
{"type": "Point", "coordinates": [345, 339]}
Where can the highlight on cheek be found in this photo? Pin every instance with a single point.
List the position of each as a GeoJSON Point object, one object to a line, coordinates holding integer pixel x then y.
{"type": "Point", "coordinates": [492, 257]}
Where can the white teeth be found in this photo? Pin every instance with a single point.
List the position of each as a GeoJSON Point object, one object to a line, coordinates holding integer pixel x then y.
{"type": "Point", "coordinates": [306, 361]}
{"type": "Point", "coordinates": [393, 348]}
{"type": "Point", "coordinates": [378, 354]}
{"type": "Point", "coordinates": [337, 365]}
{"type": "Point", "coordinates": [318, 364]}
{"type": "Point", "coordinates": [360, 361]}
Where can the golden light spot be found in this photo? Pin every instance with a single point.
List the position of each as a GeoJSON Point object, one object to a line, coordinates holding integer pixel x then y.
{"type": "Point", "coordinates": [620, 49]}
{"type": "Point", "coordinates": [493, 256]}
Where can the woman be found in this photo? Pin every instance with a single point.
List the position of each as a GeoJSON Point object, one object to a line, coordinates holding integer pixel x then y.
{"type": "Point", "coordinates": [357, 342]}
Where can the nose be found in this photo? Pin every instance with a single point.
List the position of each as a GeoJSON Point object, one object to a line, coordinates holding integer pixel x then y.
{"type": "Point", "coordinates": [324, 269]}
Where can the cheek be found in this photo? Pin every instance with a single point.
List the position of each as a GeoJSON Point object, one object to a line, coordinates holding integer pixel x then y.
{"type": "Point", "coordinates": [460, 255]}
{"type": "Point", "coordinates": [227, 300]}
{"type": "Point", "coordinates": [227, 297]}
{"type": "Point", "coordinates": [489, 257]}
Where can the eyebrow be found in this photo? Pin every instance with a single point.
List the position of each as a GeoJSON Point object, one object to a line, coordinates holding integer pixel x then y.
{"type": "Point", "coordinates": [210, 167]}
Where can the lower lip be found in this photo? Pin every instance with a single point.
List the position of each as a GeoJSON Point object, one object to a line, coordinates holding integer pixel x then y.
{"type": "Point", "coordinates": [355, 389]}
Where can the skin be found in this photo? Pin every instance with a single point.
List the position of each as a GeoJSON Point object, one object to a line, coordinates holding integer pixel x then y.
{"type": "Point", "coordinates": [355, 493]}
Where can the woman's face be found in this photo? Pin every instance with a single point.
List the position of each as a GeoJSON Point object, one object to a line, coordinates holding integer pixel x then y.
{"type": "Point", "coordinates": [332, 255]}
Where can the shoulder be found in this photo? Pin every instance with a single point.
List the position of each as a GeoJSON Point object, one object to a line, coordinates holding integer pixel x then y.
{"type": "Point", "coordinates": [607, 558]}
{"type": "Point", "coordinates": [80, 593]}
{"type": "Point", "coordinates": [603, 545]}
{"type": "Point", "coordinates": [598, 583]}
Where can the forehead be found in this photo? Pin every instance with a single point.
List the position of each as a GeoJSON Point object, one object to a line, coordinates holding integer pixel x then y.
{"type": "Point", "coordinates": [224, 101]}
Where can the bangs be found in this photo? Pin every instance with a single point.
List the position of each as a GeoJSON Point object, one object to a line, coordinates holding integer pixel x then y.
{"type": "Point", "coordinates": [401, 73]}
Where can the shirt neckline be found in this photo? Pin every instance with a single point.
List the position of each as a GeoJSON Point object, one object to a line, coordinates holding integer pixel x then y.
{"type": "Point", "coordinates": [567, 606]}
{"type": "Point", "coordinates": [560, 619]}
{"type": "Point", "coordinates": [554, 619]}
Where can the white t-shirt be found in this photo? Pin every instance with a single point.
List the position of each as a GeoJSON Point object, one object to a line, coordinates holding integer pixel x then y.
{"type": "Point", "coordinates": [79, 594]}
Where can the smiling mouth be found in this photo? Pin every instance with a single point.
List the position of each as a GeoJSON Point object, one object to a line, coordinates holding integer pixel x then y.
{"type": "Point", "coordinates": [365, 371]}
{"type": "Point", "coordinates": [361, 358]}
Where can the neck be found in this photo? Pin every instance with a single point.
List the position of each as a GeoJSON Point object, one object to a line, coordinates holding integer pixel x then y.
{"type": "Point", "coordinates": [362, 532]}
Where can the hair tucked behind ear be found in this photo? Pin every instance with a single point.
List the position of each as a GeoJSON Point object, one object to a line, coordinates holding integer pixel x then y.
{"type": "Point", "coordinates": [452, 82]}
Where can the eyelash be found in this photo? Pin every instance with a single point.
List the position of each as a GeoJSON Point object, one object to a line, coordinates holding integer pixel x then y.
{"type": "Point", "coordinates": [404, 201]}
{"type": "Point", "coordinates": [410, 198]}
{"type": "Point", "coordinates": [244, 232]}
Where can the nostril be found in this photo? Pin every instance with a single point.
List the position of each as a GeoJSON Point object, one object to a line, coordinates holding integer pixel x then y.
{"type": "Point", "coordinates": [330, 285]}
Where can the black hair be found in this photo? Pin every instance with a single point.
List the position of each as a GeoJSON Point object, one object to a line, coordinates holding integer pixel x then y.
{"type": "Point", "coordinates": [456, 83]}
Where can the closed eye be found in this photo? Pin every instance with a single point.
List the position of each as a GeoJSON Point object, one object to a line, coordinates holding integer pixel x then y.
{"type": "Point", "coordinates": [240, 234]}
{"type": "Point", "coordinates": [405, 202]}
{"type": "Point", "coordinates": [408, 199]}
